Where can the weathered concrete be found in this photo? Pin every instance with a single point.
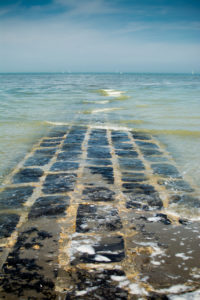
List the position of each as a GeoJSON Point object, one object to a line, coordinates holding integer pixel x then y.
{"type": "Point", "coordinates": [84, 216]}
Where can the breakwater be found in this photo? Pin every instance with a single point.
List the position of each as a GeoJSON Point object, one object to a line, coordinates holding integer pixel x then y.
{"type": "Point", "coordinates": [86, 216]}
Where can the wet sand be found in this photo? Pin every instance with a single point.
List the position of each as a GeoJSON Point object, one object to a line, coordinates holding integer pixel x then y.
{"type": "Point", "coordinates": [85, 216]}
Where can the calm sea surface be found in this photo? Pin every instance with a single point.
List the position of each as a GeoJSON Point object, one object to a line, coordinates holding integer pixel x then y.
{"type": "Point", "coordinates": [166, 105]}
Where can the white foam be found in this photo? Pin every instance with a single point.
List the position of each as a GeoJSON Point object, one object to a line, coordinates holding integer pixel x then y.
{"type": "Point", "coordinates": [135, 289]}
{"type": "Point", "coordinates": [96, 111]}
{"type": "Point", "coordinates": [86, 249]}
{"type": "Point", "coordinates": [183, 256]}
{"type": "Point", "coordinates": [118, 278]}
{"type": "Point", "coordinates": [112, 93]}
{"type": "Point", "coordinates": [175, 289]}
{"type": "Point", "coordinates": [101, 258]}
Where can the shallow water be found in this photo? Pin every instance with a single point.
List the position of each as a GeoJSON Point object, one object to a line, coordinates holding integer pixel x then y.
{"type": "Point", "coordinates": [166, 105]}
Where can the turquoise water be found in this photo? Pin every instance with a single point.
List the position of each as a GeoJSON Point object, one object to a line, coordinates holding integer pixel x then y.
{"type": "Point", "coordinates": [168, 105]}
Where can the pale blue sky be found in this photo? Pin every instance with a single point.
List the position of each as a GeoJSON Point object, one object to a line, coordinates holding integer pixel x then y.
{"type": "Point", "coordinates": [99, 35]}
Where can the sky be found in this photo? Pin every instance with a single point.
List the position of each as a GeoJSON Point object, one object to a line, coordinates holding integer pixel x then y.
{"type": "Point", "coordinates": [100, 36]}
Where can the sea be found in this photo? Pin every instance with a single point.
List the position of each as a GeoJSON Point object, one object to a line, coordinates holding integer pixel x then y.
{"type": "Point", "coordinates": [165, 105]}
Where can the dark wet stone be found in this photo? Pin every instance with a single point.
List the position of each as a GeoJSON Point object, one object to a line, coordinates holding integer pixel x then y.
{"type": "Point", "coordinates": [98, 142]}
{"type": "Point", "coordinates": [73, 138]}
{"type": "Point", "coordinates": [136, 205]}
{"type": "Point", "coordinates": [106, 249]}
{"type": "Point", "coordinates": [92, 218]}
{"type": "Point", "coordinates": [141, 136]}
{"type": "Point", "coordinates": [37, 160]}
{"type": "Point", "coordinates": [58, 131]}
{"type": "Point", "coordinates": [165, 170]}
{"type": "Point", "coordinates": [176, 185]}
{"type": "Point", "coordinates": [56, 140]}
{"type": "Point", "coordinates": [97, 284]}
{"type": "Point", "coordinates": [152, 200]}
{"type": "Point", "coordinates": [98, 194]}
{"type": "Point", "coordinates": [184, 221]}
{"type": "Point", "coordinates": [105, 172]}
{"type": "Point", "coordinates": [131, 164]}
{"type": "Point", "coordinates": [99, 152]}
{"type": "Point", "coordinates": [50, 151]}
{"type": "Point", "coordinates": [147, 145]}
{"type": "Point", "coordinates": [156, 158]}
{"type": "Point", "coordinates": [186, 200]}
{"type": "Point", "coordinates": [59, 183]}
{"type": "Point", "coordinates": [126, 153]}
{"type": "Point", "coordinates": [72, 147]}
{"type": "Point", "coordinates": [27, 175]}
{"type": "Point", "coordinates": [155, 296]}
{"type": "Point", "coordinates": [8, 223]}
{"type": "Point", "coordinates": [119, 133]}
{"type": "Point", "coordinates": [139, 188]}
{"type": "Point", "coordinates": [49, 206]}
{"type": "Point", "coordinates": [163, 218]}
{"type": "Point", "coordinates": [15, 197]}
{"type": "Point", "coordinates": [22, 275]}
{"type": "Point", "coordinates": [120, 138]}
{"type": "Point", "coordinates": [64, 166]}
{"type": "Point", "coordinates": [99, 162]}
{"type": "Point", "coordinates": [69, 155]}
{"type": "Point", "coordinates": [45, 144]}
{"type": "Point", "coordinates": [124, 146]}
{"type": "Point", "coordinates": [78, 130]}
{"type": "Point", "coordinates": [133, 177]}
{"type": "Point", "coordinates": [98, 134]}
{"type": "Point", "coordinates": [150, 152]}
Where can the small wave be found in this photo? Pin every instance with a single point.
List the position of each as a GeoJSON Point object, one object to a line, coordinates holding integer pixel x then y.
{"type": "Point", "coordinates": [132, 121]}
{"type": "Point", "coordinates": [57, 123]}
{"type": "Point", "coordinates": [142, 105]}
{"type": "Point", "coordinates": [96, 102]}
{"type": "Point", "coordinates": [110, 92]}
{"type": "Point", "coordinates": [101, 110]}
{"type": "Point", "coordinates": [111, 127]}
{"type": "Point", "coordinates": [178, 132]}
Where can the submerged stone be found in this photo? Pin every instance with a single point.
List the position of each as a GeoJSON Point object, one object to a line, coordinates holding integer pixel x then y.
{"type": "Point", "coordinates": [45, 144]}
{"type": "Point", "coordinates": [37, 160]}
{"type": "Point", "coordinates": [8, 223]}
{"type": "Point", "coordinates": [64, 166]}
{"type": "Point", "coordinates": [59, 183]}
{"type": "Point", "coordinates": [91, 249]}
{"type": "Point", "coordinates": [50, 151]}
{"type": "Point", "coordinates": [98, 142]}
{"type": "Point", "coordinates": [27, 175]}
{"type": "Point", "coordinates": [186, 200]}
{"type": "Point", "coordinates": [139, 188]}
{"type": "Point", "coordinates": [124, 146]}
{"type": "Point", "coordinates": [166, 170]}
{"type": "Point", "coordinates": [58, 132]}
{"type": "Point", "coordinates": [126, 153]}
{"type": "Point", "coordinates": [92, 218]}
{"type": "Point", "coordinates": [105, 172]}
{"type": "Point", "coordinates": [15, 197]}
{"type": "Point", "coordinates": [131, 164]}
{"type": "Point", "coordinates": [153, 201]}
{"type": "Point", "coordinates": [98, 194]}
{"type": "Point", "coordinates": [73, 138]}
{"type": "Point", "coordinates": [72, 147]}
{"type": "Point", "coordinates": [99, 162]}
{"type": "Point", "coordinates": [147, 145]}
{"type": "Point", "coordinates": [150, 152]}
{"type": "Point", "coordinates": [176, 185]}
{"type": "Point", "coordinates": [100, 152]}
{"type": "Point", "coordinates": [49, 206]}
{"type": "Point", "coordinates": [69, 155]}
{"type": "Point", "coordinates": [95, 284]}
{"type": "Point", "coordinates": [141, 136]}
{"type": "Point", "coordinates": [133, 177]}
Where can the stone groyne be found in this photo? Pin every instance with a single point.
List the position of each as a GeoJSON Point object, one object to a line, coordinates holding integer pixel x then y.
{"type": "Point", "coordinates": [84, 216]}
